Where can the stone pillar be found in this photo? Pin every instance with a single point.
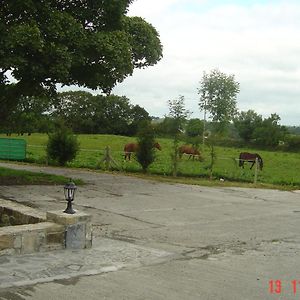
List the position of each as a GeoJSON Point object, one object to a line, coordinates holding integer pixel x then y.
{"type": "Point", "coordinates": [78, 228]}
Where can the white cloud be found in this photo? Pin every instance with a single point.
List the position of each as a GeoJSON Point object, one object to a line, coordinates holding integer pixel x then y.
{"type": "Point", "coordinates": [258, 43]}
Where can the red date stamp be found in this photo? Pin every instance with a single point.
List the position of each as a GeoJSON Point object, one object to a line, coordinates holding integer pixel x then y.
{"type": "Point", "coordinates": [278, 286]}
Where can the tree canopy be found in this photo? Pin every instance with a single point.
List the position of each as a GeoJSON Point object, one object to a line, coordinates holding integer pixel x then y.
{"type": "Point", "coordinates": [86, 113]}
{"type": "Point", "coordinates": [246, 122]}
{"type": "Point", "coordinates": [254, 128]}
{"type": "Point", "coordinates": [218, 93]}
{"type": "Point", "coordinates": [80, 111]}
{"type": "Point", "coordinates": [93, 44]}
{"type": "Point", "coordinates": [270, 132]}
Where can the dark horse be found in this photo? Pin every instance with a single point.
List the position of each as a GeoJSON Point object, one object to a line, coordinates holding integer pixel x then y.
{"type": "Point", "coordinates": [133, 147]}
{"type": "Point", "coordinates": [191, 151]}
{"type": "Point", "coordinates": [251, 158]}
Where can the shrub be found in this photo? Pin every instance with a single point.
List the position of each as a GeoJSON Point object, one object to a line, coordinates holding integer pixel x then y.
{"type": "Point", "coordinates": [292, 143]}
{"type": "Point", "coordinates": [62, 146]}
{"type": "Point", "coordinates": [145, 154]}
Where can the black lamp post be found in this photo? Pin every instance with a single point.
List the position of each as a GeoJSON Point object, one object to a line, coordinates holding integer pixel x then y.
{"type": "Point", "coordinates": [69, 190]}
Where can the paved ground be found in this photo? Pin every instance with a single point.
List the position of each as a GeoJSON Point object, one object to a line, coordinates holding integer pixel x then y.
{"type": "Point", "coordinates": [161, 241]}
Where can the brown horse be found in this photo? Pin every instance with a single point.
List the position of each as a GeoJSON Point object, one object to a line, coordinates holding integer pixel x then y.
{"type": "Point", "coordinates": [251, 158]}
{"type": "Point", "coordinates": [133, 148]}
{"type": "Point", "coordinates": [189, 150]}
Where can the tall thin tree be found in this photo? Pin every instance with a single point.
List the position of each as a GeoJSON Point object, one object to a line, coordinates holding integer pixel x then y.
{"type": "Point", "coordinates": [178, 114]}
{"type": "Point", "coordinates": [218, 93]}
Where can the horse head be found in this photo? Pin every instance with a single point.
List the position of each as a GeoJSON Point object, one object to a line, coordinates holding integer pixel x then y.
{"type": "Point", "coordinates": [157, 146]}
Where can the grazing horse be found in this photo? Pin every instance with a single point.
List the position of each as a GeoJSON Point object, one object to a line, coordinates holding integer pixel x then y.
{"type": "Point", "coordinates": [191, 151]}
{"type": "Point", "coordinates": [251, 158]}
{"type": "Point", "coordinates": [133, 148]}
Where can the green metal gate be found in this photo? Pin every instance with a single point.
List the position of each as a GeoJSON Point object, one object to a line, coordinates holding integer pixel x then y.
{"type": "Point", "coordinates": [14, 149]}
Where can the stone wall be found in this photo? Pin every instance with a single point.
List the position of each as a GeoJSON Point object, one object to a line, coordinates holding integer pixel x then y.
{"type": "Point", "coordinates": [52, 231]}
{"type": "Point", "coordinates": [23, 239]}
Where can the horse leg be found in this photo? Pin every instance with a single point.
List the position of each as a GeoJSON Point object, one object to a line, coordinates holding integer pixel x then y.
{"type": "Point", "coordinates": [126, 156]}
{"type": "Point", "coordinates": [240, 162]}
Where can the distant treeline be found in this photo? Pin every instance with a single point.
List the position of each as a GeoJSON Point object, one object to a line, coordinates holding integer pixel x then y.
{"type": "Point", "coordinates": [85, 113]}
{"type": "Point", "coordinates": [80, 111]}
{"type": "Point", "coordinates": [294, 129]}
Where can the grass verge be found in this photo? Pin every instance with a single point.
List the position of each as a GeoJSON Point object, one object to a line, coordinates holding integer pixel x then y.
{"type": "Point", "coordinates": [204, 181]}
{"type": "Point", "coordinates": [20, 177]}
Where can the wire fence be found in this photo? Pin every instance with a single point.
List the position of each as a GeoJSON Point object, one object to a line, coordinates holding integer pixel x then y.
{"type": "Point", "coordinates": [224, 168]}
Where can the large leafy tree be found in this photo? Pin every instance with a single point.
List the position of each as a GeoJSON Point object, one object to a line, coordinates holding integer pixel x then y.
{"type": "Point", "coordinates": [138, 115]}
{"type": "Point", "coordinates": [246, 122]}
{"type": "Point", "coordinates": [116, 112]}
{"type": "Point", "coordinates": [77, 109]}
{"type": "Point", "coordinates": [218, 93]}
{"type": "Point", "coordinates": [270, 132]}
{"type": "Point", "coordinates": [29, 115]}
{"type": "Point", "coordinates": [88, 43]}
{"type": "Point", "coordinates": [264, 132]}
{"type": "Point", "coordinates": [86, 113]}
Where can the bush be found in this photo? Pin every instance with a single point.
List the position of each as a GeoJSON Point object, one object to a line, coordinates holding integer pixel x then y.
{"type": "Point", "coordinates": [145, 154]}
{"type": "Point", "coordinates": [62, 146]}
{"type": "Point", "coordinates": [292, 143]}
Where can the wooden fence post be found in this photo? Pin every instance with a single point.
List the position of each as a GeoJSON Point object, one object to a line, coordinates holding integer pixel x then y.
{"type": "Point", "coordinates": [108, 159]}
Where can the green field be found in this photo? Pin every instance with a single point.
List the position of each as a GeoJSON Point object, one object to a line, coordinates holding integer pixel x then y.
{"type": "Point", "coordinates": [280, 168]}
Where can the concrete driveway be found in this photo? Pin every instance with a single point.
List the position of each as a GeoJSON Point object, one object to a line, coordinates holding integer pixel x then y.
{"type": "Point", "coordinates": [162, 241]}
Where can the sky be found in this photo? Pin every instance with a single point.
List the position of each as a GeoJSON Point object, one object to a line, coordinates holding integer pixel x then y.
{"type": "Point", "coordinates": [258, 41]}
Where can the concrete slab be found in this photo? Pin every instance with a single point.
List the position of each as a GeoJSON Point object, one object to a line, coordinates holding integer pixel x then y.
{"type": "Point", "coordinates": [202, 243]}
{"type": "Point", "coordinates": [106, 255]}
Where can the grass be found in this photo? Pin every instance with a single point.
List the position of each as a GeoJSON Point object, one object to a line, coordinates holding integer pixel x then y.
{"type": "Point", "coordinates": [280, 168]}
{"type": "Point", "coordinates": [211, 183]}
{"type": "Point", "coordinates": [20, 177]}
